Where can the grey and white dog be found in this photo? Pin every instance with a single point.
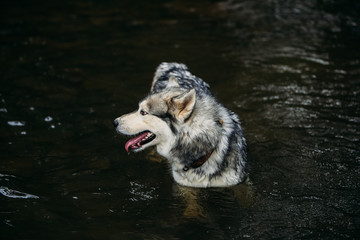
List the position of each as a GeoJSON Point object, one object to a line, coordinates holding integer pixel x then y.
{"type": "Point", "coordinates": [201, 139]}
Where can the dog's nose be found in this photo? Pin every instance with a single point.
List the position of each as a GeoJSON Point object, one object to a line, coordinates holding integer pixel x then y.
{"type": "Point", "coordinates": [115, 123]}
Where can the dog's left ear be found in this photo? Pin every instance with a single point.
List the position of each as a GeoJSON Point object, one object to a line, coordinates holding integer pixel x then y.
{"type": "Point", "coordinates": [182, 106]}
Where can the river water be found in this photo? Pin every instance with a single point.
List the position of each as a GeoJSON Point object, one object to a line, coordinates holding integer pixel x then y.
{"type": "Point", "coordinates": [289, 69]}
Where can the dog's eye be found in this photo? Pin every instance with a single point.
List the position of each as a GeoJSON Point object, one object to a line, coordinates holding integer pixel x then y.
{"type": "Point", "coordinates": [142, 112]}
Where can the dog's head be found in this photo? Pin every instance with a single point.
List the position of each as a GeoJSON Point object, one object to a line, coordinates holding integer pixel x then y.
{"type": "Point", "coordinates": [154, 121]}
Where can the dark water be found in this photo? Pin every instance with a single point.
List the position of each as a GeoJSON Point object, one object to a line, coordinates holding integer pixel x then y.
{"type": "Point", "coordinates": [290, 69]}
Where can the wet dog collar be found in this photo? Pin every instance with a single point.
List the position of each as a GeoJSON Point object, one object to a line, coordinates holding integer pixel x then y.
{"type": "Point", "coordinates": [199, 162]}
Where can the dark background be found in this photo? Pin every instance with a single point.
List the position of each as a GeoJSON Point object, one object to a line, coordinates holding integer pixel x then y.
{"type": "Point", "coordinates": [289, 69]}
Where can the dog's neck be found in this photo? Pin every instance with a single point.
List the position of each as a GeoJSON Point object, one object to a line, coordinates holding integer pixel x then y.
{"type": "Point", "coordinates": [199, 162]}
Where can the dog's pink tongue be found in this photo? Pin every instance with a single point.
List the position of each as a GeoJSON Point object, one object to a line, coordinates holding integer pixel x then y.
{"type": "Point", "coordinates": [135, 141]}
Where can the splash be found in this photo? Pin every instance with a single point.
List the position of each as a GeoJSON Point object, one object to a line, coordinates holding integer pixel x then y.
{"type": "Point", "coordinates": [15, 194]}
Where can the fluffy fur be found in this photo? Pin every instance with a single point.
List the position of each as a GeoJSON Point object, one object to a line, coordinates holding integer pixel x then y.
{"type": "Point", "coordinates": [187, 124]}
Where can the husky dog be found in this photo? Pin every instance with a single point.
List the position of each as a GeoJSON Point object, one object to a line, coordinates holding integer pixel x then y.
{"type": "Point", "coordinates": [201, 139]}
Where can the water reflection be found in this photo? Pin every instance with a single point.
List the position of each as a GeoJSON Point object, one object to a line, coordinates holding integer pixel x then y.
{"type": "Point", "coordinates": [16, 123]}
{"type": "Point", "coordinates": [10, 193]}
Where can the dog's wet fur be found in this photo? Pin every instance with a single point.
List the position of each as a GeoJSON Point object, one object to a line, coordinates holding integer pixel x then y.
{"type": "Point", "coordinates": [201, 139]}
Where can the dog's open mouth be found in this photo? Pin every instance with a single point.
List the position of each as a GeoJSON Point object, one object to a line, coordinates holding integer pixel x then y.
{"type": "Point", "coordinates": [141, 139]}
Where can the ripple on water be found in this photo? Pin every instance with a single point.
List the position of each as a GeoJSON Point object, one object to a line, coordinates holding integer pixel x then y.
{"type": "Point", "coordinates": [10, 193]}
{"type": "Point", "coordinates": [16, 123]}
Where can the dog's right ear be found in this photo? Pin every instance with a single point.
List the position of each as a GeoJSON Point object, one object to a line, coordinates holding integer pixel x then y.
{"type": "Point", "coordinates": [181, 106]}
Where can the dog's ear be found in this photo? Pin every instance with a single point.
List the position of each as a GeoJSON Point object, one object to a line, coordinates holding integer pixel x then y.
{"type": "Point", "coordinates": [181, 106]}
{"type": "Point", "coordinates": [173, 82]}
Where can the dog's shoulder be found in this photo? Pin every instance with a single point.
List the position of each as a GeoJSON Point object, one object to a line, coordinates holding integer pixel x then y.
{"type": "Point", "coordinates": [183, 76]}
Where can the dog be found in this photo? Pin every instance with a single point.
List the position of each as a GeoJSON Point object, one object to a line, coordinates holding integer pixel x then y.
{"type": "Point", "coordinates": [201, 139]}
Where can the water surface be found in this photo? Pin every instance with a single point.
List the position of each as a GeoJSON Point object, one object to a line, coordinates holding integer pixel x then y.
{"type": "Point", "coordinates": [289, 69]}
